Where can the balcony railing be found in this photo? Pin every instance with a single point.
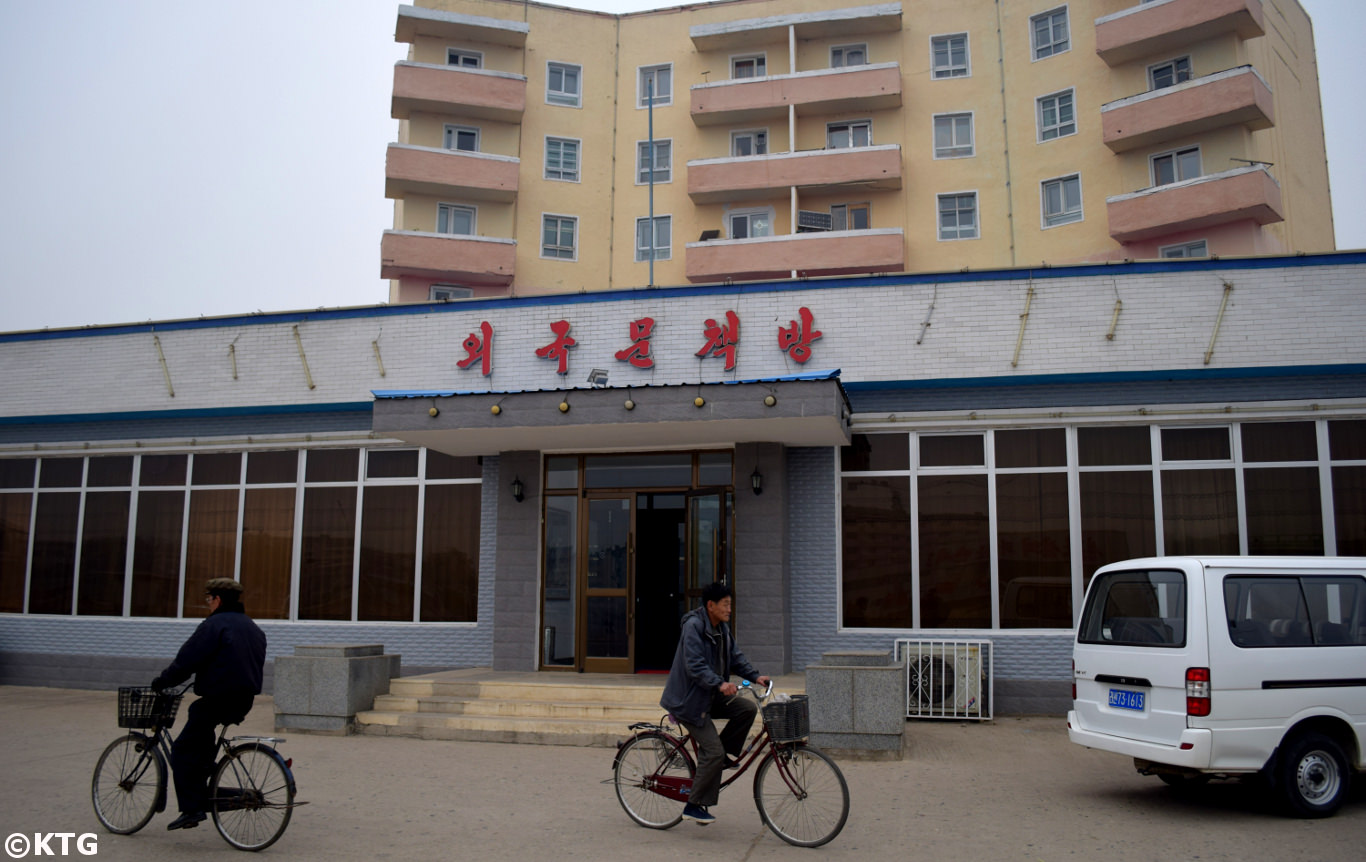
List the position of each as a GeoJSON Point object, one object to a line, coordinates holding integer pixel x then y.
{"type": "Point", "coordinates": [466, 260]}
{"type": "Point", "coordinates": [1237, 96]}
{"type": "Point", "coordinates": [477, 93]}
{"type": "Point", "coordinates": [427, 171]}
{"type": "Point", "coordinates": [1166, 25]}
{"type": "Point", "coordinates": [751, 177]}
{"type": "Point", "coordinates": [1246, 193]}
{"type": "Point", "coordinates": [874, 87]}
{"type": "Point", "coordinates": [843, 252]}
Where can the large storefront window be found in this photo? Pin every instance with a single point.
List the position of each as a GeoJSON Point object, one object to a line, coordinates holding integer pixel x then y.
{"type": "Point", "coordinates": [1008, 525]}
{"type": "Point", "coordinates": [137, 535]}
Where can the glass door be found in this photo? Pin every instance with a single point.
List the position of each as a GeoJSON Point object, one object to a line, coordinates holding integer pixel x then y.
{"type": "Point", "coordinates": [708, 540]}
{"type": "Point", "coordinates": [609, 556]}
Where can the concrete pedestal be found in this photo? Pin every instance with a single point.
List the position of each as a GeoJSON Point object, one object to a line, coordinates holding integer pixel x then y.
{"type": "Point", "coordinates": [858, 704]}
{"type": "Point", "coordinates": [321, 687]}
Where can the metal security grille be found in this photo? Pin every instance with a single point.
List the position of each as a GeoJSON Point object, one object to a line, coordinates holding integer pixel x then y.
{"type": "Point", "coordinates": [947, 678]}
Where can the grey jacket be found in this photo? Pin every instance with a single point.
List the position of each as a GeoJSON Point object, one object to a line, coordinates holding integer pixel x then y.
{"type": "Point", "coordinates": [705, 658]}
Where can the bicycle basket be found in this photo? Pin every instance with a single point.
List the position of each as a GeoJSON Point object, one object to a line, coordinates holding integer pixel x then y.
{"type": "Point", "coordinates": [140, 706]}
{"type": "Point", "coordinates": [788, 722]}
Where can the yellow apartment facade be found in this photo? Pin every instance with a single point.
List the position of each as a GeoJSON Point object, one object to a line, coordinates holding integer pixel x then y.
{"type": "Point", "coordinates": [810, 138]}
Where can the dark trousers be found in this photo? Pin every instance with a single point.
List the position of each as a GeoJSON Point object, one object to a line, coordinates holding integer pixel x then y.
{"type": "Point", "coordinates": [192, 753]}
{"type": "Point", "coordinates": [713, 747]}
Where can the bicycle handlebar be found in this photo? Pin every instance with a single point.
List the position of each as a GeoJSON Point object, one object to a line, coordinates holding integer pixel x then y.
{"type": "Point", "coordinates": [746, 685]}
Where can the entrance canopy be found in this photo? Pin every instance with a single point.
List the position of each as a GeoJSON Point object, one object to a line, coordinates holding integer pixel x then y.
{"type": "Point", "coordinates": [799, 410]}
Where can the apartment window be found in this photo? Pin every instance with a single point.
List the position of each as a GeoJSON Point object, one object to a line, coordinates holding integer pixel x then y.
{"type": "Point", "coordinates": [953, 136]}
{"type": "Point", "coordinates": [750, 223]}
{"type": "Point", "coordinates": [958, 216]}
{"type": "Point", "coordinates": [1176, 166]}
{"type": "Point", "coordinates": [849, 217]}
{"type": "Point", "coordinates": [455, 218]}
{"type": "Point", "coordinates": [1057, 116]}
{"type": "Point", "coordinates": [752, 142]}
{"type": "Point", "coordinates": [844, 135]}
{"type": "Point", "coordinates": [656, 241]}
{"type": "Point", "coordinates": [655, 79]}
{"type": "Point", "coordinates": [662, 162]}
{"type": "Point", "coordinates": [848, 55]}
{"type": "Point", "coordinates": [462, 138]}
{"type": "Point", "coordinates": [562, 159]}
{"type": "Point", "coordinates": [751, 66]}
{"type": "Point", "coordinates": [562, 84]}
{"type": "Point", "coordinates": [1198, 248]}
{"type": "Point", "coordinates": [949, 56]}
{"type": "Point", "coordinates": [557, 236]}
{"type": "Point", "coordinates": [1050, 33]}
{"type": "Point", "coordinates": [1170, 73]}
{"type": "Point", "coordinates": [1061, 200]}
{"type": "Point", "coordinates": [462, 57]}
{"type": "Point", "coordinates": [442, 292]}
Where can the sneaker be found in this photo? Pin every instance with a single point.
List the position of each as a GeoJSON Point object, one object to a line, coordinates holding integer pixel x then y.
{"type": "Point", "coordinates": [188, 820]}
{"type": "Point", "coordinates": [731, 762]}
{"type": "Point", "coordinates": [698, 814]}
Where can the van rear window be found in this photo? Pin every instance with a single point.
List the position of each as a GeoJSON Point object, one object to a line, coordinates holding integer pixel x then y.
{"type": "Point", "coordinates": [1136, 608]}
{"type": "Point", "coordinates": [1295, 610]}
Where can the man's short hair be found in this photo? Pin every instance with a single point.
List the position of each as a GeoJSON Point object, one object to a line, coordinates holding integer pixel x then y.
{"type": "Point", "coordinates": [715, 592]}
{"type": "Point", "coordinates": [224, 588]}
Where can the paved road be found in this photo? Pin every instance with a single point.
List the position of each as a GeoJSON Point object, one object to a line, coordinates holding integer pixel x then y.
{"type": "Point", "coordinates": [1012, 790]}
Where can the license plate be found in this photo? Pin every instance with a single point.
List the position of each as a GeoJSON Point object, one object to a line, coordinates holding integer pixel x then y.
{"type": "Point", "coordinates": [1121, 699]}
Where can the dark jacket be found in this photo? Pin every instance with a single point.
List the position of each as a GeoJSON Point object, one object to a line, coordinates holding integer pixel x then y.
{"type": "Point", "coordinates": [705, 658]}
{"type": "Point", "coordinates": [226, 654]}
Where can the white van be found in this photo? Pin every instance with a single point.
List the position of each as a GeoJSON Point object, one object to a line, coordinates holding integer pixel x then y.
{"type": "Point", "coordinates": [1220, 667]}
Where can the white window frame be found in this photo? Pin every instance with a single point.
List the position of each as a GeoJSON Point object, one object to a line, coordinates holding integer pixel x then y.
{"type": "Point", "coordinates": [1174, 63]}
{"type": "Point", "coordinates": [578, 158]}
{"type": "Point", "coordinates": [664, 252]}
{"type": "Point", "coordinates": [1041, 128]}
{"type": "Point", "coordinates": [754, 135]}
{"type": "Point", "coordinates": [643, 169]}
{"type": "Point", "coordinates": [477, 56]}
{"type": "Point", "coordinates": [473, 211]}
{"type": "Point", "coordinates": [844, 49]}
{"type": "Point", "coordinates": [1035, 47]}
{"type": "Point", "coordinates": [1065, 216]}
{"type": "Point", "coordinates": [976, 215]}
{"type": "Point", "coordinates": [951, 71]}
{"type": "Point", "coordinates": [564, 98]}
{"type": "Point", "coordinates": [851, 124]}
{"type": "Point", "coordinates": [749, 213]}
{"type": "Point", "coordinates": [1173, 154]}
{"type": "Point", "coordinates": [845, 210]}
{"type": "Point", "coordinates": [972, 135]}
{"type": "Point", "coordinates": [1185, 248]}
{"type": "Point", "coordinates": [661, 99]}
{"type": "Point", "coordinates": [759, 59]}
{"type": "Point", "coordinates": [452, 293]}
{"type": "Point", "coordinates": [451, 134]}
{"type": "Point", "coordinates": [574, 249]}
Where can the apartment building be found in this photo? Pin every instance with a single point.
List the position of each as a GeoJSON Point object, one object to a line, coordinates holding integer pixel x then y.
{"type": "Point", "coordinates": [810, 138]}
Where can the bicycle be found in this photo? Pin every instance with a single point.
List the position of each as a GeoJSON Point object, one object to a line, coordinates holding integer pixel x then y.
{"type": "Point", "coordinates": [799, 791]}
{"type": "Point", "coordinates": [251, 793]}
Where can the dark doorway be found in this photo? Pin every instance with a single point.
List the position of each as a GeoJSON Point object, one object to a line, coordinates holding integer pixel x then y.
{"type": "Point", "coordinates": [661, 571]}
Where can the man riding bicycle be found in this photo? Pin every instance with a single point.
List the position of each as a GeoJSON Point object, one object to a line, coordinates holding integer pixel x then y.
{"type": "Point", "coordinates": [227, 656]}
{"type": "Point", "coordinates": [699, 690]}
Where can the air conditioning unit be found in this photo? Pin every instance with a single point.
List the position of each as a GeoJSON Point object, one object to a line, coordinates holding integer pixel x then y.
{"type": "Point", "coordinates": [946, 678]}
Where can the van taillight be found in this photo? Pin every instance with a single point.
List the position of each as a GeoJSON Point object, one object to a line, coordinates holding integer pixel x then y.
{"type": "Point", "coordinates": [1197, 691]}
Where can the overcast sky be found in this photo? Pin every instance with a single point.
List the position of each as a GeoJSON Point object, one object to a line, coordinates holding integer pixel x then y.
{"type": "Point", "coordinates": [163, 159]}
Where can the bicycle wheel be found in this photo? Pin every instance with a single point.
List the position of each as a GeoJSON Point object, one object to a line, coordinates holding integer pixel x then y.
{"type": "Point", "coordinates": [801, 795]}
{"type": "Point", "coordinates": [648, 766]}
{"type": "Point", "coordinates": [130, 777]}
{"type": "Point", "coordinates": [251, 796]}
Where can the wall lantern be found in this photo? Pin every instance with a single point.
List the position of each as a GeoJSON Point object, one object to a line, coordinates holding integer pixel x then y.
{"type": "Point", "coordinates": [756, 481]}
{"type": "Point", "coordinates": [518, 491]}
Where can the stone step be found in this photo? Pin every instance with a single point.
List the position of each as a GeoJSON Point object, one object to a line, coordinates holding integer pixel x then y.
{"type": "Point", "coordinates": [519, 708]}
{"type": "Point", "coordinates": [480, 728]}
{"type": "Point", "coordinates": [528, 691]}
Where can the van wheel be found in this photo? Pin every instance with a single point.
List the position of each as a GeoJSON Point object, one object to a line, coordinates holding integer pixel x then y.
{"type": "Point", "coordinates": [1312, 775]}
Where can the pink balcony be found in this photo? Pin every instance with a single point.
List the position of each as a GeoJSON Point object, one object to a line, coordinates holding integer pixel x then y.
{"type": "Point", "coordinates": [477, 93]}
{"type": "Point", "coordinates": [843, 252]}
{"type": "Point", "coordinates": [412, 170]}
{"type": "Point", "coordinates": [1159, 28]}
{"type": "Point", "coordinates": [1236, 97]}
{"type": "Point", "coordinates": [466, 260]}
{"type": "Point", "coordinates": [1248, 193]}
{"type": "Point", "coordinates": [852, 88]}
{"type": "Point", "coordinates": [751, 177]}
